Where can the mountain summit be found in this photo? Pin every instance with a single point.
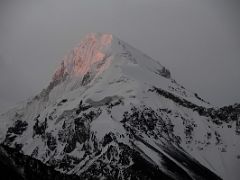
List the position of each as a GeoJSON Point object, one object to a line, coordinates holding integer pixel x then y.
{"type": "Point", "coordinates": [94, 48]}
{"type": "Point", "coordinates": [93, 51]}
{"type": "Point", "coordinates": [112, 112]}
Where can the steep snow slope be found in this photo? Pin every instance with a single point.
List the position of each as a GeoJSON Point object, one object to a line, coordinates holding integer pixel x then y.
{"type": "Point", "coordinates": [111, 110]}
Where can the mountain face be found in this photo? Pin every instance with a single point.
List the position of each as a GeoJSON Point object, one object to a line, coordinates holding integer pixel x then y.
{"type": "Point", "coordinates": [112, 112]}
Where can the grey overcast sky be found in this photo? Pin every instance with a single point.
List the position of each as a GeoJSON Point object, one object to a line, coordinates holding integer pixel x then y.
{"type": "Point", "coordinates": [198, 40]}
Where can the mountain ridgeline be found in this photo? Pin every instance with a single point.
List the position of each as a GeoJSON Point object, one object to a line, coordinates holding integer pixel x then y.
{"type": "Point", "coordinates": [112, 112]}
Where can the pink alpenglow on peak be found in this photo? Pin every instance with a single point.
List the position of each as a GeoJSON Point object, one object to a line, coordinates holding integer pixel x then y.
{"type": "Point", "coordinates": [98, 51]}
{"type": "Point", "coordinates": [92, 49]}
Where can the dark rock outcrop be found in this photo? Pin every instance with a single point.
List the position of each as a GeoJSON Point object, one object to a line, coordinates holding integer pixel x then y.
{"type": "Point", "coordinates": [16, 166]}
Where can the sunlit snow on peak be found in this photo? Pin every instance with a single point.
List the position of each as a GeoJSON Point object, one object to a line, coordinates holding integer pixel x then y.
{"type": "Point", "coordinates": [92, 49]}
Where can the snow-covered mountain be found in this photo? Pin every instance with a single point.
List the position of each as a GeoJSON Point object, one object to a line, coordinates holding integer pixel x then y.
{"type": "Point", "coordinates": [112, 112]}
